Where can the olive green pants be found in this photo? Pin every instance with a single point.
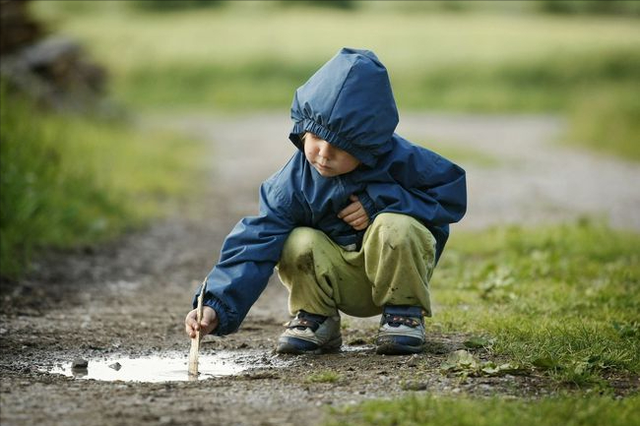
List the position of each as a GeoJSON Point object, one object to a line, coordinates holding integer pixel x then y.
{"type": "Point", "coordinates": [393, 267]}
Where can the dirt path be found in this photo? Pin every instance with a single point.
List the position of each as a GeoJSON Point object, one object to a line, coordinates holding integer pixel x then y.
{"type": "Point", "coordinates": [129, 298]}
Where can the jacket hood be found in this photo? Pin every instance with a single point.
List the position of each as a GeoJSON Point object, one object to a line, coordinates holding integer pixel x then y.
{"type": "Point", "coordinates": [349, 103]}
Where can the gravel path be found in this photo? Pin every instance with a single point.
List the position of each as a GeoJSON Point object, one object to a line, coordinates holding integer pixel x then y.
{"type": "Point", "coordinates": [129, 298]}
{"type": "Point", "coordinates": [533, 179]}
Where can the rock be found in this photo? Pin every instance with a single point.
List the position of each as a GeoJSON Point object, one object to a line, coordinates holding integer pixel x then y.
{"type": "Point", "coordinates": [18, 27]}
{"type": "Point", "coordinates": [79, 363]}
{"type": "Point", "coordinates": [116, 366]}
{"type": "Point", "coordinates": [414, 386]}
{"type": "Point", "coordinates": [412, 362]}
{"type": "Point", "coordinates": [165, 420]}
{"type": "Point", "coordinates": [52, 70]}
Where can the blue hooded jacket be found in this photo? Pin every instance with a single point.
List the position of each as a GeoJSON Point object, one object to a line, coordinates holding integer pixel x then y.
{"type": "Point", "coordinates": [349, 103]}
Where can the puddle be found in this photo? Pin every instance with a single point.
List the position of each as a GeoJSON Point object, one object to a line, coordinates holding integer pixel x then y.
{"type": "Point", "coordinates": [162, 368]}
{"type": "Point", "coordinates": [356, 348]}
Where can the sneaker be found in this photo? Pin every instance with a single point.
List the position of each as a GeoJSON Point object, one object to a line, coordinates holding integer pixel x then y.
{"type": "Point", "coordinates": [401, 331]}
{"type": "Point", "coordinates": [310, 334]}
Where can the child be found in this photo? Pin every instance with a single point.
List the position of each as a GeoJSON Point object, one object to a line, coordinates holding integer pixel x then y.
{"type": "Point", "coordinates": [354, 222]}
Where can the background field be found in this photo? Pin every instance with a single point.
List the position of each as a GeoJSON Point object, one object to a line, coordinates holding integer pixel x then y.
{"type": "Point", "coordinates": [242, 56]}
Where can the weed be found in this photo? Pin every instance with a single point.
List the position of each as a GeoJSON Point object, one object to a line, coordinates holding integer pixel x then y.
{"type": "Point", "coordinates": [464, 364]}
{"type": "Point", "coordinates": [324, 377]}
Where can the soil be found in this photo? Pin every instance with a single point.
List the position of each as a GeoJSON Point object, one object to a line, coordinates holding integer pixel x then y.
{"type": "Point", "coordinates": [129, 298]}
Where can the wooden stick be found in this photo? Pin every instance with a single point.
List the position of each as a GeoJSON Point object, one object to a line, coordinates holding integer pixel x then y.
{"type": "Point", "coordinates": [195, 342]}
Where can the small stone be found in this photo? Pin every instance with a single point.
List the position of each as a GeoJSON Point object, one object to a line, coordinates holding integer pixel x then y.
{"type": "Point", "coordinates": [79, 363]}
{"type": "Point", "coordinates": [116, 366]}
{"type": "Point", "coordinates": [415, 386]}
{"type": "Point", "coordinates": [413, 362]}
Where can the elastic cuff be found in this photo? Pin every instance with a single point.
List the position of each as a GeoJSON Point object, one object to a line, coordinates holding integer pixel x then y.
{"type": "Point", "coordinates": [366, 156]}
{"type": "Point", "coordinates": [225, 321]}
{"type": "Point", "coordinates": [367, 203]}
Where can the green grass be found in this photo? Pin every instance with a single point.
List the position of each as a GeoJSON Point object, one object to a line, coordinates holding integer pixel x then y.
{"type": "Point", "coordinates": [323, 377]}
{"type": "Point", "coordinates": [562, 299]}
{"type": "Point", "coordinates": [69, 181]}
{"type": "Point", "coordinates": [607, 120]}
{"type": "Point", "coordinates": [465, 411]}
{"type": "Point", "coordinates": [255, 56]}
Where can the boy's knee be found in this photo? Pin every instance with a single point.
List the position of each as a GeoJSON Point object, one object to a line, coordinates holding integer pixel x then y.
{"type": "Point", "coordinates": [399, 230]}
{"type": "Point", "coordinates": [300, 243]}
{"type": "Point", "coordinates": [304, 253]}
{"type": "Point", "coordinates": [394, 226]}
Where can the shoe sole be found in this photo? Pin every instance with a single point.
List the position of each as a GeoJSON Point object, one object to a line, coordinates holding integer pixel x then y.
{"type": "Point", "coordinates": [286, 347]}
{"type": "Point", "coordinates": [395, 349]}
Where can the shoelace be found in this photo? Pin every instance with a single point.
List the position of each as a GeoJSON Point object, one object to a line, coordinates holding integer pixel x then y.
{"type": "Point", "coordinates": [306, 320]}
{"type": "Point", "coordinates": [397, 321]}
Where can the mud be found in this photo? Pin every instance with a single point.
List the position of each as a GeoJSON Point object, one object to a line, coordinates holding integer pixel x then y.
{"type": "Point", "coordinates": [127, 300]}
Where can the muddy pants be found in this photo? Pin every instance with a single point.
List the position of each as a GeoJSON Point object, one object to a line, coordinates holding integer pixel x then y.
{"type": "Point", "coordinates": [393, 266]}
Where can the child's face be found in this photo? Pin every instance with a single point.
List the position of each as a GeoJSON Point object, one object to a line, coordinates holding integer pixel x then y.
{"type": "Point", "coordinates": [328, 160]}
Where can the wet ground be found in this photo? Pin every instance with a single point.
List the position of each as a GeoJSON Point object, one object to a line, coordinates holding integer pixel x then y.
{"type": "Point", "coordinates": [125, 302]}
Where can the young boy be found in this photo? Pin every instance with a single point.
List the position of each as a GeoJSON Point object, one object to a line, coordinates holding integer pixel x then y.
{"type": "Point", "coordinates": [354, 222]}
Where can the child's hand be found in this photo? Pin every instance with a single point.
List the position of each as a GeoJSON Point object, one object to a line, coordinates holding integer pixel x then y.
{"type": "Point", "coordinates": [355, 215]}
{"type": "Point", "coordinates": [208, 323]}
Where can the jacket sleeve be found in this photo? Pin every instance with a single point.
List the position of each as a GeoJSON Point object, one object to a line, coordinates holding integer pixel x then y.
{"type": "Point", "coordinates": [247, 258]}
{"type": "Point", "coordinates": [425, 185]}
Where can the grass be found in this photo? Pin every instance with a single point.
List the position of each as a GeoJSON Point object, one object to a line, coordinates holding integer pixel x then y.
{"type": "Point", "coordinates": [324, 377]}
{"type": "Point", "coordinates": [465, 411]}
{"type": "Point", "coordinates": [468, 61]}
{"type": "Point", "coordinates": [562, 299]}
{"type": "Point", "coordinates": [71, 181]}
{"type": "Point", "coordinates": [607, 120]}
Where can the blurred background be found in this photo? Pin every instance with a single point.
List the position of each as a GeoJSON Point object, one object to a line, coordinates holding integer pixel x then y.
{"type": "Point", "coordinates": [76, 170]}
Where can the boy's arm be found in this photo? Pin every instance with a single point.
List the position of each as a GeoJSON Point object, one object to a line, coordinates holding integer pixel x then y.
{"type": "Point", "coordinates": [247, 259]}
{"type": "Point", "coordinates": [426, 186]}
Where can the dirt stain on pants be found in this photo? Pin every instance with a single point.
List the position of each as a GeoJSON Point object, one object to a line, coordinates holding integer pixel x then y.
{"type": "Point", "coordinates": [393, 266]}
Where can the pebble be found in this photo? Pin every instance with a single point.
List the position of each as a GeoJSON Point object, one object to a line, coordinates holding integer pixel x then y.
{"type": "Point", "coordinates": [412, 362]}
{"type": "Point", "coordinates": [415, 386]}
{"type": "Point", "coordinates": [116, 366]}
{"type": "Point", "coordinates": [79, 363]}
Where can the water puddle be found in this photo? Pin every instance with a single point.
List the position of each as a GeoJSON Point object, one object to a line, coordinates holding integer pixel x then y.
{"type": "Point", "coordinates": [161, 368]}
{"type": "Point", "coordinates": [356, 349]}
